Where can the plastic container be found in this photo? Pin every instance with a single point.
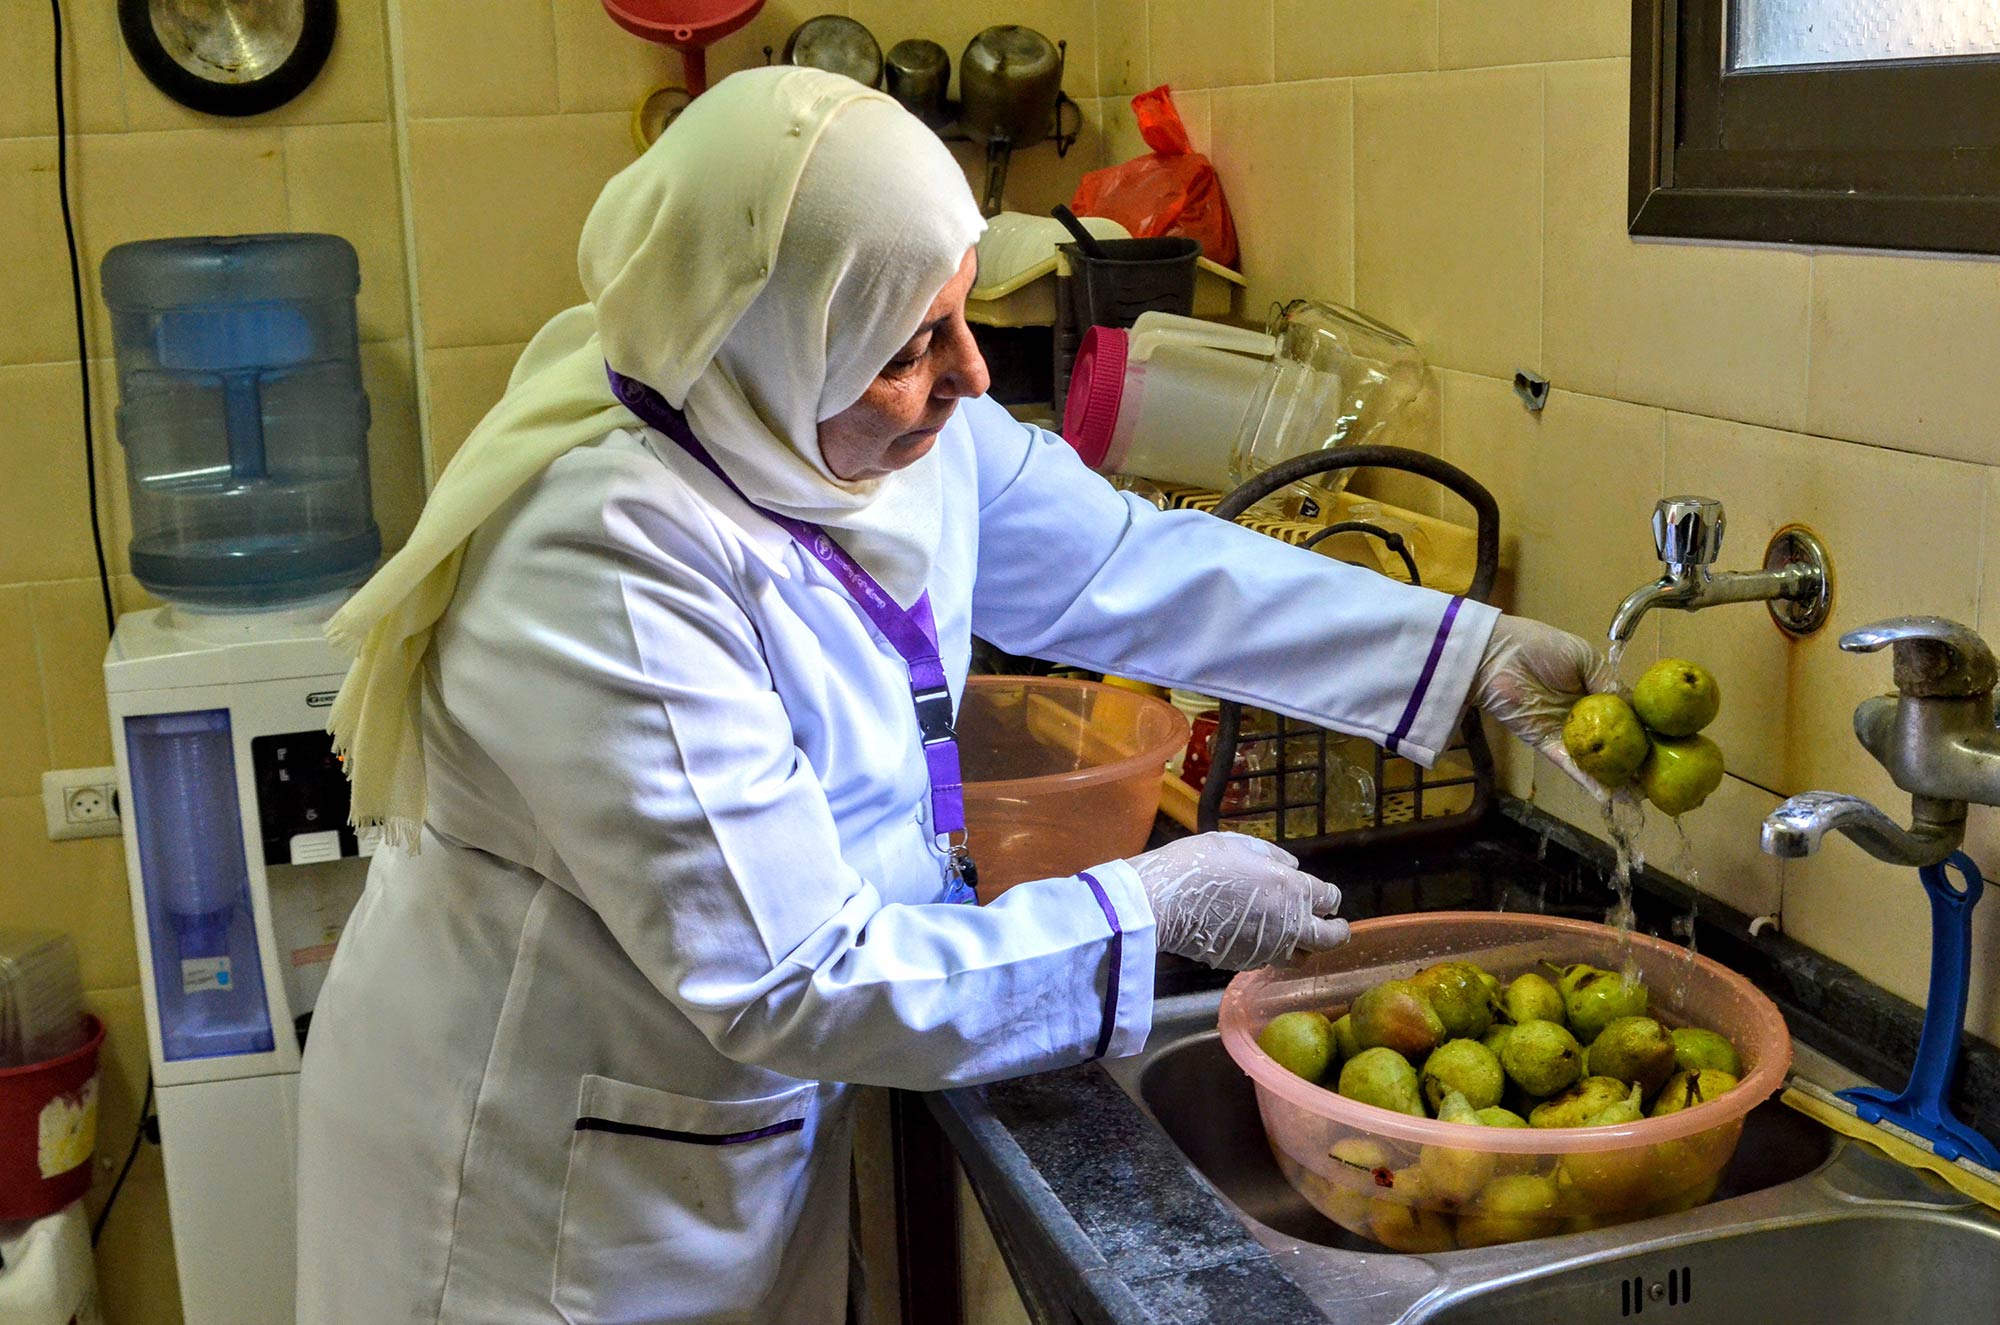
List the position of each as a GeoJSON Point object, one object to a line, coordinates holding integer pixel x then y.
{"type": "Point", "coordinates": [47, 1275]}
{"type": "Point", "coordinates": [242, 416]}
{"type": "Point", "coordinates": [1338, 377]}
{"type": "Point", "coordinates": [208, 970]}
{"type": "Point", "coordinates": [1134, 276]}
{"type": "Point", "coordinates": [1604, 1175]}
{"type": "Point", "coordinates": [1060, 774]}
{"type": "Point", "coordinates": [1164, 400]}
{"type": "Point", "coordinates": [48, 1129]}
{"type": "Point", "coordinates": [41, 997]}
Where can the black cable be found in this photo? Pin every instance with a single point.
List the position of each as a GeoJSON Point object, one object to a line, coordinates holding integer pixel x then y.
{"type": "Point", "coordinates": [82, 343]}
{"type": "Point", "coordinates": [139, 1134]}
{"type": "Point", "coordinates": [139, 1131]}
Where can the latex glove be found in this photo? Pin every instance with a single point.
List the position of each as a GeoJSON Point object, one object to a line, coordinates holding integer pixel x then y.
{"type": "Point", "coordinates": [1236, 902]}
{"type": "Point", "coordinates": [1530, 676]}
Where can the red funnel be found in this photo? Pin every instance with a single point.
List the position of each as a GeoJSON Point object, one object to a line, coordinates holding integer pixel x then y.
{"type": "Point", "coordinates": [689, 26]}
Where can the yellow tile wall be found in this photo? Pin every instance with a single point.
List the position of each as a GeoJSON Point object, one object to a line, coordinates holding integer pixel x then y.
{"type": "Point", "coordinates": [1458, 169]}
{"type": "Point", "coordinates": [144, 167]}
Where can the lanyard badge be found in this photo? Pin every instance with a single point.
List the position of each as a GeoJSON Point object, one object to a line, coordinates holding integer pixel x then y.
{"type": "Point", "coordinates": [912, 632]}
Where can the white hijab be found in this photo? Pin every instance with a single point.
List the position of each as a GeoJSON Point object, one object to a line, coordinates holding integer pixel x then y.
{"type": "Point", "coordinates": [757, 267]}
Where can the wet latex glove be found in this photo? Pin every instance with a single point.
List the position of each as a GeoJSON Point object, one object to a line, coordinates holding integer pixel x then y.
{"type": "Point", "coordinates": [1529, 677]}
{"type": "Point", "coordinates": [1236, 902]}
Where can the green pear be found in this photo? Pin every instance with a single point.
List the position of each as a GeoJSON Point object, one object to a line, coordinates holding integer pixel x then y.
{"type": "Point", "coordinates": [1684, 1090]}
{"type": "Point", "coordinates": [1513, 1208]}
{"type": "Point", "coordinates": [1531, 997]}
{"type": "Point", "coordinates": [1360, 1152]}
{"type": "Point", "coordinates": [1400, 1218]}
{"type": "Point", "coordinates": [1496, 1039]}
{"type": "Point", "coordinates": [1459, 996]}
{"type": "Point", "coordinates": [1384, 1078]}
{"type": "Point", "coordinates": [1499, 1117]}
{"type": "Point", "coordinates": [1634, 1049]}
{"type": "Point", "coordinates": [1542, 1057]}
{"type": "Point", "coordinates": [1576, 1106]}
{"type": "Point", "coordinates": [1605, 738]}
{"type": "Point", "coordinates": [1676, 697]}
{"type": "Point", "coordinates": [1688, 1197]}
{"type": "Point", "coordinates": [1681, 772]}
{"type": "Point", "coordinates": [1695, 1048]}
{"type": "Point", "coordinates": [1396, 1015]}
{"type": "Point", "coordinates": [1343, 1037]}
{"type": "Point", "coordinates": [1464, 1067]}
{"type": "Point", "coordinates": [1610, 1179]}
{"type": "Point", "coordinates": [1594, 998]}
{"type": "Point", "coordinates": [1453, 1174]}
{"type": "Point", "coordinates": [1299, 1042]}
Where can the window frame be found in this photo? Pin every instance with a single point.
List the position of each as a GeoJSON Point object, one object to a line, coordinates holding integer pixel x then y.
{"type": "Point", "coordinates": [1899, 155]}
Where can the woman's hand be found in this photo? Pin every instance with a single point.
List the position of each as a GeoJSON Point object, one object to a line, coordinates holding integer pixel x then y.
{"type": "Point", "coordinates": [1236, 902]}
{"type": "Point", "coordinates": [1529, 678]}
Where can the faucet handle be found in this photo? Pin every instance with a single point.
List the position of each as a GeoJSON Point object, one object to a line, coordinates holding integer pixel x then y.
{"type": "Point", "coordinates": [1935, 658]}
{"type": "Point", "coordinates": [1687, 531]}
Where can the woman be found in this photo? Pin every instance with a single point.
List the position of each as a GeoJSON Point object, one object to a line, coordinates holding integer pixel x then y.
{"type": "Point", "coordinates": [644, 687]}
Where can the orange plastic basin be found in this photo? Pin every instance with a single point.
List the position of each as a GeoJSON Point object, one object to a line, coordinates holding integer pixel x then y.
{"type": "Point", "coordinates": [1060, 775]}
{"type": "Point", "coordinates": [1603, 1175]}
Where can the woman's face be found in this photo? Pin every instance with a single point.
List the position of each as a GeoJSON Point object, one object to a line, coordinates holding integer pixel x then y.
{"type": "Point", "coordinates": [897, 419]}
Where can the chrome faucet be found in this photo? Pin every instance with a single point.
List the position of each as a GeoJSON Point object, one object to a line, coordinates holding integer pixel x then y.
{"type": "Point", "coordinates": [1687, 534]}
{"type": "Point", "coordinates": [1936, 737]}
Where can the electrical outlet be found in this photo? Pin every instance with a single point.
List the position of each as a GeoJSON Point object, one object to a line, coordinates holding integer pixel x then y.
{"type": "Point", "coordinates": [80, 802]}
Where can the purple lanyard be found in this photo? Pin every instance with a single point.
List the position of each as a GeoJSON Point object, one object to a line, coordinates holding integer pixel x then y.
{"type": "Point", "coordinates": [912, 632]}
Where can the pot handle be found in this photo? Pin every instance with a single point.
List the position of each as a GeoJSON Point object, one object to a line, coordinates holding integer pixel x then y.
{"type": "Point", "coordinates": [999, 151]}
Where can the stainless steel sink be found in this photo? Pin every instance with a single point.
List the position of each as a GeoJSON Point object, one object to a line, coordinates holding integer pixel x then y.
{"type": "Point", "coordinates": [1806, 1227]}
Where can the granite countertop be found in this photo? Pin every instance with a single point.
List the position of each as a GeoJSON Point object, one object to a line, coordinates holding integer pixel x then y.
{"type": "Point", "coordinates": [1099, 1216]}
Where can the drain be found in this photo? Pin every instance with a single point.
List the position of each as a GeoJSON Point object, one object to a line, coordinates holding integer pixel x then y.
{"type": "Point", "coordinates": [1676, 1290]}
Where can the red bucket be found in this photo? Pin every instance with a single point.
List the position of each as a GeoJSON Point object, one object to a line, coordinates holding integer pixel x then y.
{"type": "Point", "coordinates": [48, 1129]}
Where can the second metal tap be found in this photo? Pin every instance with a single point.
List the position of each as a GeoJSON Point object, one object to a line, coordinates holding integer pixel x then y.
{"type": "Point", "coordinates": [1687, 533]}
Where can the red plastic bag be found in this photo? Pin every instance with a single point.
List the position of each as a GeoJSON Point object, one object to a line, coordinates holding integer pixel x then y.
{"type": "Point", "coordinates": [1173, 190]}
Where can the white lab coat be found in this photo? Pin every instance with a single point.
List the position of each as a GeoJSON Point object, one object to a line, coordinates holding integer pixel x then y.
{"type": "Point", "coordinates": [581, 1058]}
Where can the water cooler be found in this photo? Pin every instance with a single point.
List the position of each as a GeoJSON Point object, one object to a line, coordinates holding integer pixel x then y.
{"type": "Point", "coordinates": [244, 427]}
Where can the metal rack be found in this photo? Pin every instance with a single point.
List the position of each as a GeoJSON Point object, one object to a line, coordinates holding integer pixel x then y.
{"type": "Point", "coordinates": [1270, 775]}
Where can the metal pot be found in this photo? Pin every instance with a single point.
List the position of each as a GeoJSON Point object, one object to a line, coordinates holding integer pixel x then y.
{"type": "Point", "coordinates": [918, 74]}
{"type": "Point", "coordinates": [837, 44]}
{"type": "Point", "coordinates": [1009, 83]}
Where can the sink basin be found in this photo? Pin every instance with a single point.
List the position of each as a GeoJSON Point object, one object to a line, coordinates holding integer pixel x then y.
{"type": "Point", "coordinates": [1806, 1226]}
{"type": "Point", "coordinates": [1202, 1101]}
{"type": "Point", "coordinates": [1885, 1266]}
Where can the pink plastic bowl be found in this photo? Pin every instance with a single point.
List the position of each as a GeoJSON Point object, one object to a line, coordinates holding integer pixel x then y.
{"type": "Point", "coordinates": [1060, 775]}
{"type": "Point", "coordinates": [1601, 1175]}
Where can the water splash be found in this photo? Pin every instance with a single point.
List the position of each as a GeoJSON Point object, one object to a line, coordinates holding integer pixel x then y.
{"type": "Point", "coordinates": [1684, 926]}
{"type": "Point", "coordinates": [1624, 821]}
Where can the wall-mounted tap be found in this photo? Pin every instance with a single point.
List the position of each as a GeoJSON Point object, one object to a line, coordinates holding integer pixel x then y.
{"type": "Point", "coordinates": [1796, 582]}
{"type": "Point", "coordinates": [1936, 737]}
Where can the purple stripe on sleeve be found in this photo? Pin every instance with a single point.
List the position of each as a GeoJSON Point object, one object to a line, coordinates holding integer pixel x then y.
{"type": "Point", "coordinates": [1416, 703]}
{"type": "Point", "coordinates": [1117, 964]}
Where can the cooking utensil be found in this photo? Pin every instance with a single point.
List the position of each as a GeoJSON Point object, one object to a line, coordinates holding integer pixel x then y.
{"type": "Point", "coordinates": [838, 44]}
{"type": "Point", "coordinates": [1010, 85]}
{"type": "Point", "coordinates": [1085, 240]}
{"type": "Point", "coordinates": [917, 75]}
{"type": "Point", "coordinates": [229, 57]}
{"type": "Point", "coordinates": [689, 26]}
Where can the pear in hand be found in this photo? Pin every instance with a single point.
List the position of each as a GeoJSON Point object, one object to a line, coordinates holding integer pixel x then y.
{"type": "Point", "coordinates": [1676, 697]}
{"type": "Point", "coordinates": [1606, 739]}
{"type": "Point", "coordinates": [1681, 772]}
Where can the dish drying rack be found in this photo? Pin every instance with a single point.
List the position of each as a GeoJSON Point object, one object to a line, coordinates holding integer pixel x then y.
{"type": "Point", "coordinates": [1271, 776]}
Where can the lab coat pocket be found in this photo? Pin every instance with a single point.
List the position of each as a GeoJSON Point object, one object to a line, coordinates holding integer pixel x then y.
{"type": "Point", "coordinates": [677, 1208]}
